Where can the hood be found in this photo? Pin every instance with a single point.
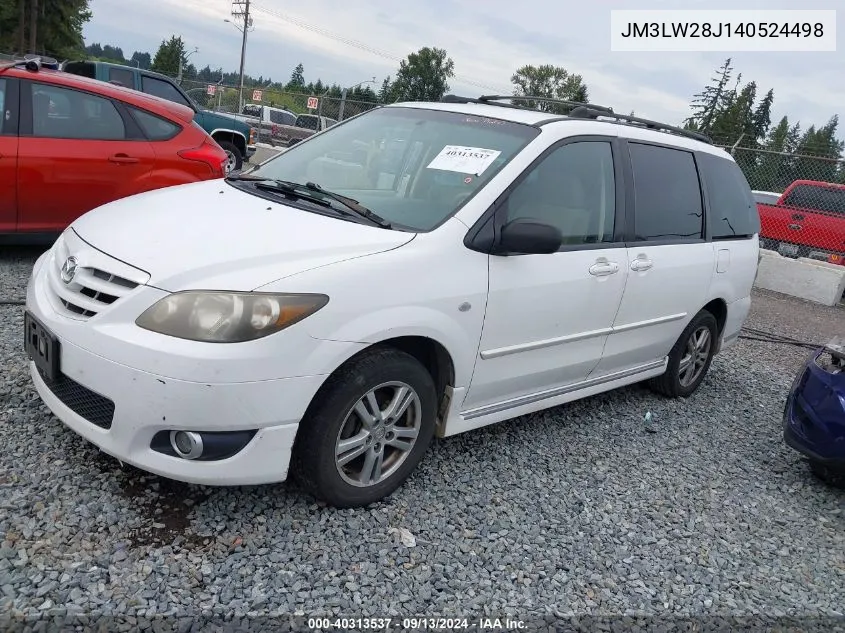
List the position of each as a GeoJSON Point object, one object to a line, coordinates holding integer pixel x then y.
{"type": "Point", "coordinates": [213, 120]}
{"type": "Point", "coordinates": [209, 235]}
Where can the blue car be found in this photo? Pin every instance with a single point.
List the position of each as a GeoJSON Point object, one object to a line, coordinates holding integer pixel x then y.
{"type": "Point", "coordinates": [814, 415]}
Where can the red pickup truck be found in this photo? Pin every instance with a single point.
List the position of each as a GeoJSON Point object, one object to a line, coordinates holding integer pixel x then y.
{"type": "Point", "coordinates": [808, 220]}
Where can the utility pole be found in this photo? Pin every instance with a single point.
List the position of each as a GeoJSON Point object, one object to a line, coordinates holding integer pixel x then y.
{"type": "Point", "coordinates": [240, 8]}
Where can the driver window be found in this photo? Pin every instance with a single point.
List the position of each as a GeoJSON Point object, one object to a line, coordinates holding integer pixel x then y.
{"type": "Point", "coordinates": [574, 190]}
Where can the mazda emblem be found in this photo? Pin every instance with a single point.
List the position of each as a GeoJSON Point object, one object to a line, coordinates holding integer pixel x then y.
{"type": "Point", "coordinates": [69, 269]}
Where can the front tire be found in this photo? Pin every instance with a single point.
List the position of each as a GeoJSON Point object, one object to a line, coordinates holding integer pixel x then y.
{"type": "Point", "coordinates": [689, 359]}
{"type": "Point", "coordinates": [235, 161]}
{"type": "Point", "coordinates": [366, 430]}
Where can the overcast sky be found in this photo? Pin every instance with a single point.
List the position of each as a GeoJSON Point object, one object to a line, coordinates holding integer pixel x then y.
{"type": "Point", "coordinates": [487, 40]}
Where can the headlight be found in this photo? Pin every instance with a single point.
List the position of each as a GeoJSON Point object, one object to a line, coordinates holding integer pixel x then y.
{"type": "Point", "coordinates": [227, 317]}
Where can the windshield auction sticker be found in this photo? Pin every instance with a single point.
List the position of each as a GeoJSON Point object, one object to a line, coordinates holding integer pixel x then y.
{"type": "Point", "coordinates": [464, 160]}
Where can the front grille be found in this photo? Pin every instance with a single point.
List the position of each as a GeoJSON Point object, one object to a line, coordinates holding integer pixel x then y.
{"type": "Point", "coordinates": [90, 291]}
{"type": "Point", "coordinates": [85, 403]}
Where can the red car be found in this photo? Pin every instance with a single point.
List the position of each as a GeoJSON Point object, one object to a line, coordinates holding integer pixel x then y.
{"type": "Point", "coordinates": [69, 144]}
{"type": "Point", "coordinates": [808, 220]}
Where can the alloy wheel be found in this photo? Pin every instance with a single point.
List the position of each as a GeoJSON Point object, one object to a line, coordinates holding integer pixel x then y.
{"type": "Point", "coordinates": [378, 434]}
{"type": "Point", "coordinates": [695, 357]}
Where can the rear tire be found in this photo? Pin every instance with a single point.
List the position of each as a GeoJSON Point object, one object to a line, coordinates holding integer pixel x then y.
{"type": "Point", "coordinates": [235, 161]}
{"type": "Point", "coordinates": [352, 447]}
{"type": "Point", "coordinates": [689, 359]}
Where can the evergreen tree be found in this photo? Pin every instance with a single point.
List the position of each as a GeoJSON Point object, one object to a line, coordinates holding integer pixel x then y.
{"type": "Point", "coordinates": [707, 104]}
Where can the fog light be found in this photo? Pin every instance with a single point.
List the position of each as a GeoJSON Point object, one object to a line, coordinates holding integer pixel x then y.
{"type": "Point", "coordinates": [187, 444]}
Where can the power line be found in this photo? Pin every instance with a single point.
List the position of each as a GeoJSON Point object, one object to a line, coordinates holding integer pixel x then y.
{"type": "Point", "coordinates": [354, 43]}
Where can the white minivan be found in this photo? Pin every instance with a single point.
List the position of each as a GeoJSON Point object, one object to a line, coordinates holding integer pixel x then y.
{"type": "Point", "coordinates": [420, 269]}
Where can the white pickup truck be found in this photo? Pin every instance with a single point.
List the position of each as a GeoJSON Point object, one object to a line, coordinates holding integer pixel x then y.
{"type": "Point", "coordinates": [282, 127]}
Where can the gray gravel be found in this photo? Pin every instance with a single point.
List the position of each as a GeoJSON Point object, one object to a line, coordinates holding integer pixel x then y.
{"type": "Point", "coordinates": [582, 509]}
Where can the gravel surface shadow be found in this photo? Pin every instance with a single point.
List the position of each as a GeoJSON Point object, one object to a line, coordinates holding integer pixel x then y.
{"type": "Point", "coordinates": [581, 509]}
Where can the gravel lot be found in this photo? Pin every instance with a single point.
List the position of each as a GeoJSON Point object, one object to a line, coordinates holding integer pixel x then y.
{"type": "Point", "coordinates": [583, 509]}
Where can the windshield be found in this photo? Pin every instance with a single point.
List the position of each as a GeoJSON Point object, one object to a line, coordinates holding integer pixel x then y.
{"type": "Point", "coordinates": [412, 166]}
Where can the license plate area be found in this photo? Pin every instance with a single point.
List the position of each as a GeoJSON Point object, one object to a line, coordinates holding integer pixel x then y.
{"type": "Point", "coordinates": [41, 346]}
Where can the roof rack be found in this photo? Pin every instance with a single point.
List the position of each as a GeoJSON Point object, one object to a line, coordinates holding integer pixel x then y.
{"type": "Point", "coordinates": [495, 98]}
{"type": "Point", "coordinates": [459, 99]}
{"type": "Point", "coordinates": [588, 111]}
{"type": "Point", "coordinates": [580, 110]}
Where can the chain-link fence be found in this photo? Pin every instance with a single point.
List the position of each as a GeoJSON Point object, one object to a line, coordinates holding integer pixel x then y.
{"type": "Point", "coordinates": [273, 111]}
{"type": "Point", "coordinates": [801, 200]}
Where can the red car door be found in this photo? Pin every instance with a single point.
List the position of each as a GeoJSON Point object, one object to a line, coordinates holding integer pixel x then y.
{"type": "Point", "coordinates": [78, 150]}
{"type": "Point", "coordinates": [8, 155]}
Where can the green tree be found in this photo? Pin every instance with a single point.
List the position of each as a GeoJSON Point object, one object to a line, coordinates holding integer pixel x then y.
{"type": "Point", "coordinates": [48, 27]}
{"type": "Point", "coordinates": [144, 61]}
{"type": "Point", "coordinates": [549, 82]}
{"type": "Point", "coordinates": [818, 153]}
{"type": "Point", "coordinates": [762, 119]}
{"type": "Point", "coordinates": [423, 76]}
{"type": "Point", "coordinates": [708, 103]}
{"type": "Point", "coordinates": [168, 56]}
{"type": "Point", "coordinates": [386, 92]}
{"type": "Point", "coordinates": [297, 79]}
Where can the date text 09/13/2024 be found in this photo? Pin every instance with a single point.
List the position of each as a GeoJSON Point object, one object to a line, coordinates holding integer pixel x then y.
{"type": "Point", "coordinates": [416, 624]}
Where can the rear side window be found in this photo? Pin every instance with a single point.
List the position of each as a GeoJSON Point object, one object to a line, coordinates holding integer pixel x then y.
{"type": "Point", "coordinates": [122, 76]}
{"type": "Point", "coordinates": [155, 128]}
{"type": "Point", "coordinates": [828, 199]}
{"type": "Point", "coordinates": [163, 89]}
{"type": "Point", "coordinates": [62, 113]}
{"type": "Point", "coordinates": [733, 211]}
{"type": "Point", "coordinates": [667, 194]}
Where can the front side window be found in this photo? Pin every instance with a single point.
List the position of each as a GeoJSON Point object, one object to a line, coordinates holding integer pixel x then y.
{"type": "Point", "coordinates": [572, 189]}
{"type": "Point", "coordinates": [414, 167]}
{"type": "Point", "coordinates": [163, 89]}
{"type": "Point", "coordinates": [733, 211]}
{"type": "Point", "coordinates": [62, 113]}
{"type": "Point", "coordinates": [667, 194]}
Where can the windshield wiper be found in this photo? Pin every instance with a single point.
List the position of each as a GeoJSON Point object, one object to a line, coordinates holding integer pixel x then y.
{"type": "Point", "coordinates": [303, 191]}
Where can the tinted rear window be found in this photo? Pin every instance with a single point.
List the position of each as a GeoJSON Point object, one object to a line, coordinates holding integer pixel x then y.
{"type": "Point", "coordinates": [155, 128]}
{"type": "Point", "coordinates": [733, 211]}
{"type": "Point", "coordinates": [822, 198]}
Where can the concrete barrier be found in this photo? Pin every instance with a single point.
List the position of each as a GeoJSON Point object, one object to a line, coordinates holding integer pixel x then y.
{"type": "Point", "coordinates": [810, 279]}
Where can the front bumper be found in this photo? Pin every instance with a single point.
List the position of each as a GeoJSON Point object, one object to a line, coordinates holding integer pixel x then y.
{"type": "Point", "coordinates": [119, 399]}
{"type": "Point", "coordinates": [814, 413]}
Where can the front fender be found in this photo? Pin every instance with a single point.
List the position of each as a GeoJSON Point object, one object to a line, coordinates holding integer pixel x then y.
{"type": "Point", "coordinates": [455, 335]}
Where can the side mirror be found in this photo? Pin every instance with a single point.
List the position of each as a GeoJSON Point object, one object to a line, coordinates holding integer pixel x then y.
{"type": "Point", "coordinates": [528, 237]}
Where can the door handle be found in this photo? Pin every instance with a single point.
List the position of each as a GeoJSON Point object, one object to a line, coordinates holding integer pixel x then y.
{"type": "Point", "coordinates": [604, 268]}
{"type": "Point", "coordinates": [795, 227]}
{"type": "Point", "coordinates": [641, 263]}
{"type": "Point", "coordinates": [122, 159]}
